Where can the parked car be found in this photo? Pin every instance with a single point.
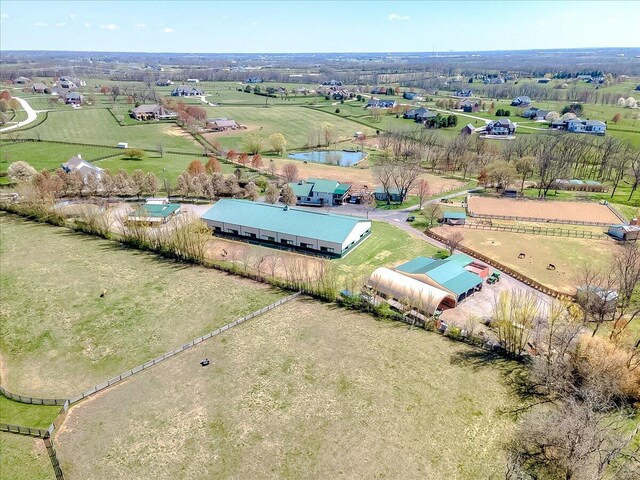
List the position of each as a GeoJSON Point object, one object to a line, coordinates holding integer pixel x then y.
{"type": "Point", "coordinates": [411, 218]}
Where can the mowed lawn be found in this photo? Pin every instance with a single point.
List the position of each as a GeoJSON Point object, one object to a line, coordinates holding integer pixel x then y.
{"type": "Point", "coordinates": [387, 246]}
{"type": "Point", "coordinates": [569, 255]}
{"type": "Point", "coordinates": [24, 458]}
{"type": "Point", "coordinates": [305, 391]}
{"type": "Point", "coordinates": [97, 126]}
{"type": "Point", "coordinates": [43, 155]}
{"type": "Point", "coordinates": [35, 416]}
{"type": "Point", "coordinates": [295, 123]}
{"type": "Point", "coordinates": [59, 337]}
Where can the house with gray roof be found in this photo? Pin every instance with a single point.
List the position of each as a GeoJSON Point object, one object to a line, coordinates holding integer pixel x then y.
{"type": "Point", "coordinates": [522, 101]}
{"type": "Point", "coordinates": [222, 124]}
{"type": "Point", "coordinates": [152, 112]}
{"type": "Point", "coordinates": [319, 192]}
{"type": "Point", "coordinates": [186, 91]}
{"type": "Point", "coordinates": [502, 126]}
{"type": "Point", "coordinates": [38, 87]}
{"type": "Point", "coordinates": [73, 98]}
{"type": "Point", "coordinates": [577, 125]}
{"type": "Point", "coordinates": [377, 103]}
{"type": "Point", "coordinates": [282, 227]}
{"type": "Point", "coordinates": [79, 164]}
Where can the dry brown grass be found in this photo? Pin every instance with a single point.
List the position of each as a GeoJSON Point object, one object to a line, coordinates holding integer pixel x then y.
{"type": "Point", "coordinates": [544, 210]}
{"type": "Point", "coordinates": [306, 391]}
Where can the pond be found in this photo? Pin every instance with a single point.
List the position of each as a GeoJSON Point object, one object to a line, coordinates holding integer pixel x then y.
{"type": "Point", "coordinates": [341, 158]}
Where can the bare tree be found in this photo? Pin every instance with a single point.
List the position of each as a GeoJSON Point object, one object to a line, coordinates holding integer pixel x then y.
{"type": "Point", "coordinates": [431, 213]}
{"type": "Point", "coordinates": [423, 192]}
{"type": "Point", "coordinates": [384, 173]}
{"type": "Point", "coordinates": [453, 241]}
{"type": "Point", "coordinates": [272, 194]}
{"type": "Point", "coordinates": [288, 195]}
{"type": "Point", "coordinates": [290, 172]}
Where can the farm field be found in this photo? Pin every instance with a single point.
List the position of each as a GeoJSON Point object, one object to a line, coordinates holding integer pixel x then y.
{"type": "Point", "coordinates": [295, 123]}
{"type": "Point", "coordinates": [24, 458]}
{"type": "Point", "coordinates": [58, 336]}
{"type": "Point", "coordinates": [304, 391]}
{"type": "Point", "coordinates": [544, 210]}
{"type": "Point", "coordinates": [44, 155]}
{"type": "Point", "coordinates": [361, 175]}
{"type": "Point", "coordinates": [97, 126]}
{"type": "Point", "coordinates": [569, 255]}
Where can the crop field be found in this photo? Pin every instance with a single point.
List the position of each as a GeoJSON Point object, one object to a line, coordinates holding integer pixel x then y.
{"type": "Point", "coordinates": [24, 458]}
{"type": "Point", "coordinates": [569, 255]}
{"type": "Point", "coordinates": [58, 336]}
{"type": "Point", "coordinates": [544, 210]}
{"type": "Point", "coordinates": [295, 123]}
{"type": "Point", "coordinates": [43, 155]}
{"type": "Point", "coordinates": [98, 127]}
{"type": "Point", "coordinates": [303, 391]}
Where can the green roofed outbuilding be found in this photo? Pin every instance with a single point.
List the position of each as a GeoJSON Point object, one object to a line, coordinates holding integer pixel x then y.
{"type": "Point", "coordinates": [154, 212]}
{"type": "Point", "coordinates": [454, 218]}
{"type": "Point", "coordinates": [289, 228]}
{"type": "Point", "coordinates": [320, 192]}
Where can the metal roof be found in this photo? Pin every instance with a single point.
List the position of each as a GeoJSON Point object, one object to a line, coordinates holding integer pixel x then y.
{"type": "Point", "coordinates": [454, 215]}
{"type": "Point", "coordinates": [304, 189]}
{"type": "Point", "coordinates": [290, 221]}
{"type": "Point", "coordinates": [155, 210]}
{"type": "Point", "coordinates": [449, 273]}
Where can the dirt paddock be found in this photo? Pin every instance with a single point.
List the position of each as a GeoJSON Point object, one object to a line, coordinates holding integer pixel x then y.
{"type": "Point", "coordinates": [544, 210]}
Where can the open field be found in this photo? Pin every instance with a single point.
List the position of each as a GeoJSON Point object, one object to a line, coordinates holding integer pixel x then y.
{"type": "Point", "coordinates": [304, 391]}
{"type": "Point", "coordinates": [36, 416]}
{"type": "Point", "coordinates": [24, 458]}
{"type": "Point", "coordinates": [295, 123]}
{"type": "Point", "coordinates": [59, 337]}
{"type": "Point", "coordinates": [544, 210]}
{"type": "Point", "coordinates": [97, 126]}
{"type": "Point", "coordinates": [360, 175]}
{"type": "Point", "coordinates": [569, 255]}
{"type": "Point", "coordinates": [43, 155]}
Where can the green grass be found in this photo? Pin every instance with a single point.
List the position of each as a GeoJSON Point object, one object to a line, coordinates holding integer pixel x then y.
{"type": "Point", "coordinates": [24, 458]}
{"type": "Point", "coordinates": [305, 391]}
{"type": "Point", "coordinates": [411, 201]}
{"type": "Point", "coordinates": [387, 246]}
{"type": "Point", "coordinates": [295, 123]}
{"type": "Point", "coordinates": [97, 126]}
{"type": "Point", "coordinates": [43, 155]}
{"type": "Point", "coordinates": [173, 164]}
{"type": "Point", "coordinates": [35, 416]}
{"type": "Point", "coordinates": [59, 337]}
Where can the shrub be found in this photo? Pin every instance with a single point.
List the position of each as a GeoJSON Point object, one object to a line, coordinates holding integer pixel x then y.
{"type": "Point", "coordinates": [337, 110]}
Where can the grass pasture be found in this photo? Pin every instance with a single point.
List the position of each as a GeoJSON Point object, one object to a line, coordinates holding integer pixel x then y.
{"type": "Point", "coordinates": [35, 416]}
{"type": "Point", "coordinates": [44, 155]}
{"type": "Point", "coordinates": [97, 126]}
{"type": "Point", "coordinates": [295, 123]}
{"type": "Point", "coordinates": [305, 391]}
{"type": "Point", "coordinates": [24, 458]}
{"type": "Point", "coordinates": [58, 337]}
{"type": "Point", "coordinates": [569, 255]}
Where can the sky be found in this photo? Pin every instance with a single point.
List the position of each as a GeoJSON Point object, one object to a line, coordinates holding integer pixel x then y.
{"type": "Point", "coordinates": [249, 26]}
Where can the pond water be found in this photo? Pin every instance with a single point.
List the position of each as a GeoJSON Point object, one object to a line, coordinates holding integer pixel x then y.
{"type": "Point", "coordinates": [330, 157]}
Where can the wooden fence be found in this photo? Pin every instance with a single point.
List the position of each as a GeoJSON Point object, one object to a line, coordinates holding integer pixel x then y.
{"type": "Point", "coordinates": [509, 271]}
{"type": "Point", "coordinates": [539, 220]}
{"type": "Point", "coordinates": [21, 430]}
{"type": "Point", "coordinates": [31, 400]}
{"type": "Point", "coordinates": [551, 232]}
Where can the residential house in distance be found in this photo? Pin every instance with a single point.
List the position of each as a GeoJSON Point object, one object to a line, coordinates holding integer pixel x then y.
{"type": "Point", "coordinates": [21, 80]}
{"type": "Point", "coordinates": [333, 83]}
{"type": "Point", "coordinates": [379, 91]}
{"type": "Point", "coordinates": [470, 107]}
{"type": "Point", "coordinates": [464, 93]}
{"type": "Point", "coordinates": [78, 164]}
{"type": "Point", "coordinates": [543, 80]}
{"type": "Point", "coordinates": [377, 103]}
{"type": "Point", "coordinates": [468, 129]}
{"type": "Point", "coordinates": [186, 91]}
{"type": "Point", "coordinates": [493, 80]}
{"type": "Point", "coordinates": [577, 125]}
{"type": "Point", "coordinates": [320, 192]}
{"type": "Point", "coordinates": [155, 211]}
{"type": "Point", "coordinates": [38, 87]}
{"type": "Point", "coordinates": [73, 98]}
{"type": "Point", "coordinates": [522, 101]}
{"type": "Point", "coordinates": [67, 84]}
{"type": "Point", "coordinates": [502, 126]}
{"type": "Point", "coordinates": [193, 80]}
{"type": "Point", "coordinates": [76, 81]}
{"type": "Point", "coordinates": [254, 80]}
{"type": "Point", "coordinates": [152, 112]}
{"type": "Point", "coordinates": [305, 231]}
{"type": "Point", "coordinates": [409, 95]}
{"type": "Point", "coordinates": [423, 116]}
{"type": "Point", "coordinates": [164, 82]}
{"type": "Point", "coordinates": [222, 124]}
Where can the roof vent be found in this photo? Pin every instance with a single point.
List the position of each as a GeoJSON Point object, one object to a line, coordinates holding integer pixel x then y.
{"type": "Point", "coordinates": [286, 207]}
